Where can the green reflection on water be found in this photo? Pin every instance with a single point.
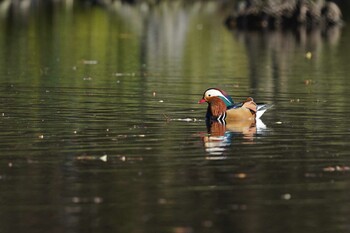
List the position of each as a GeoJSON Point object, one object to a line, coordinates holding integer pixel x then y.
{"type": "Point", "coordinates": [120, 44]}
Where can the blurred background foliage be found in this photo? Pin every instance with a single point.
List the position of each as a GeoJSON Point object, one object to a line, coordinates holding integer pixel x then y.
{"type": "Point", "coordinates": [153, 38]}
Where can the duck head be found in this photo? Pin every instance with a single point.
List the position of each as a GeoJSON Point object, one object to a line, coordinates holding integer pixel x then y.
{"type": "Point", "coordinates": [215, 92]}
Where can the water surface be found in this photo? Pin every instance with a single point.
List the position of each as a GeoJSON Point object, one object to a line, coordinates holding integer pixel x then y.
{"type": "Point", "coordinates": [101, 130]}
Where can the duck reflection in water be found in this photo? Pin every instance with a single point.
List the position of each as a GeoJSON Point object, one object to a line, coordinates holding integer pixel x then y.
{"type": "Point", "coordinates": [225, 119]}
{"type": "Point", "coordinates": [220, 136]}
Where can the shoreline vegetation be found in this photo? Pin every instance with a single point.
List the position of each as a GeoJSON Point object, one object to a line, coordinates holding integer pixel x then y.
{"type": "Point", "coordinates": [257, 14]}
{"type": "Point", "coordinates": [241, 14]}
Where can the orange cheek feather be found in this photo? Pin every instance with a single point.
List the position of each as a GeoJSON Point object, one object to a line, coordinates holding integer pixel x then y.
{"type": "Point", "coordinates": [217, 106]}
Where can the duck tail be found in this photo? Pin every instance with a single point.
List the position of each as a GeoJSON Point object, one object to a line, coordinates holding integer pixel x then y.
{"type": "Point", "coordinates": [261, 109]}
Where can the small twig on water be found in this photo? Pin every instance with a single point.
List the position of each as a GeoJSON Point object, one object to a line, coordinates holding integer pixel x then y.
{"type": "Point", "coordinates": [167, 119]}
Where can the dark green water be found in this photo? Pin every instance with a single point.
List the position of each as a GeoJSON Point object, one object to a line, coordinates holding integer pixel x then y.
{"type": "Point", "coordinates": [100, 130]}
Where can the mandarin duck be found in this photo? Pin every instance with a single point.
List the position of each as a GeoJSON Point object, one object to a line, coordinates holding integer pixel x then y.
{"type": "Point", "coordinates": [221, 107]}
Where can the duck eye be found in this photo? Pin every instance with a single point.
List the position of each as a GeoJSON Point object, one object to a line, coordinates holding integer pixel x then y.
{"type": "Point", "coordinates": [209, 95]}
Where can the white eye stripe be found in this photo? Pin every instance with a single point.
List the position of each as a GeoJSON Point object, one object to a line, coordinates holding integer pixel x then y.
{"type": "Point", "coordinates": [213, 92]}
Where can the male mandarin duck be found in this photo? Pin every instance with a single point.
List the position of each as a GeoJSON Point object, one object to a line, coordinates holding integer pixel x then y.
{"type": "Point", "coordinates": [222, 108]}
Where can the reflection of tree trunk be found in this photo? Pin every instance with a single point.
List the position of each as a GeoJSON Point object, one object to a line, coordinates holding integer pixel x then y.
{"type": "Point", "coordinates": [276, 50]}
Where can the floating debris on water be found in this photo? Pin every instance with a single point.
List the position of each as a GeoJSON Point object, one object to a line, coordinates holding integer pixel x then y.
{"type": "Point", "coordinates": [186, 119]}
{"type": "Point", "coordinates": [124, 74]}
{"type": "Point", "coordinates": [75, 199]}
{"type": "Point", "coordinates": [92, 157]}
{"type": "Point", "coordinates": [240, 175]}
{"type": "Point", "coordinates": [162, 201]}
{"type": "Point", "coordinates": [41, 136]}
{"type": "Point", "coordinates": [215, 157]}
{"type": "Point", "coordinates": [98, 200]}
{"type": "Point", "coordinates": [90, 62]}
{"type": "Point", "coordinates": [104, 158]}
{"type": "Point", "coordinates": [308, 55]}
{"type": "Point", "coordinates": [308, 81]}
{"type": "Point", "coordinates": [131, 135]}
{"type": "Point", "coordinates": [336, 168]}
{"type": "Point", "coordinates": [166, 117]}
{"type": "Point", "coordinates": [286, 196]}
{"type": "Point", "coordinates": [131, 158]}
{"type": "Point", "coordinates": [278, 122]}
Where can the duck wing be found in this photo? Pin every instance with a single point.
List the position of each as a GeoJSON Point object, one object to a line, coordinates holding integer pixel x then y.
{"type": "Point", "coordinates": [248, 103]}
{"type": "Point", "coordinates": [251, 105]}
{"type": "Point", "coordinates": [255, 108]}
